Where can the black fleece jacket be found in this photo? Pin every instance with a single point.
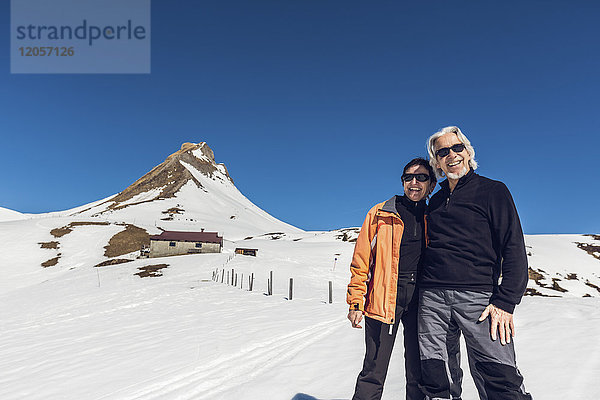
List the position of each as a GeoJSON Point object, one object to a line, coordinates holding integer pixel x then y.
{"type": "Point", "coordinates": [474, 237]}
{"type": "Point", "coordinates": [413, 238]}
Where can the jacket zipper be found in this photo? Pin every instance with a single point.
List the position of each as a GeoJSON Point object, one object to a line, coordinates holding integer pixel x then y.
{"type": "Point", "coordinates": [448, 200]}
{"type": "Point", "coordinates": [415, 230]}
{"type": "Point", "coordinates": [391, 330]}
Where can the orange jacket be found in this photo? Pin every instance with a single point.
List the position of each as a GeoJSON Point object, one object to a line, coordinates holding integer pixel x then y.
{"type": "Point", "coordinates": [374, 282]}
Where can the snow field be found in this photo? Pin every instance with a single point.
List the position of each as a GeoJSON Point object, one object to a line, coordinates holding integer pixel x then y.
{"type": "Point", "coordinates": [104, 333]}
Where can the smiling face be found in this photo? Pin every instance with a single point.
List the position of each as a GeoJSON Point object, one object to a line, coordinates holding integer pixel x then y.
{"type": "Point", "coordinates": [454, 165]}
{"type": "Point", "coordinates": [413, 189]}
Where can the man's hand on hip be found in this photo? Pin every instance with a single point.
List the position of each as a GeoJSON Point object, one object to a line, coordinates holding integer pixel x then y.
{"type": "Point", "coordinates": [500, 321]}
{"type": "Point", "coordinates": [355, 317]}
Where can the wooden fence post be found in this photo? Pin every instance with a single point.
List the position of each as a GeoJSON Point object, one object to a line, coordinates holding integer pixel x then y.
{"type": "Point", "coordinates": [270, 284]}
{"type": "Point", "coordinates": [291, 292]}
{"type": "Point", "coordinates": [330, 292]}
{"type": "Point", "coordinates": [222, 275]}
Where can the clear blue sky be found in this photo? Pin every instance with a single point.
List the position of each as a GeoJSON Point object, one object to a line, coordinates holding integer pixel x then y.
{"type": "Point", "coordinates": [315, 106]}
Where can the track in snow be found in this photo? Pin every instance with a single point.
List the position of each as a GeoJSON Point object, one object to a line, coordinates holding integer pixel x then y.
{"type": "Point", "coordinates": [229, 371]}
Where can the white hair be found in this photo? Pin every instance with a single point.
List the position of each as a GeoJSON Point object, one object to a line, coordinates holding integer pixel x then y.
{"type": "Point", "coordinates": [463, 139]}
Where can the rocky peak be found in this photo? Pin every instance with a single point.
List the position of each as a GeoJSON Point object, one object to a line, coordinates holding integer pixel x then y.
{"type": "Point", "coordinates": [191, 147]}
{"type": "Point", "coordinates": [168, 177]}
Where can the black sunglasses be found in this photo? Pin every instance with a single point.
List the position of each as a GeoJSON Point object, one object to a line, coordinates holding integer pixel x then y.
{"type": "Point", "coordinates": [444, 151]}
{"type": "Point", "coordinates": [419, 177]}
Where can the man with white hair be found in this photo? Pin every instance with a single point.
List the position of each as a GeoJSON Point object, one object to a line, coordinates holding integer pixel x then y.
{"type": "Point", "coordinates": [474, 274]}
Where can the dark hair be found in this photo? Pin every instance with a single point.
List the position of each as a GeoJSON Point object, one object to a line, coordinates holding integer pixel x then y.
{"type": "Point", "coordinates": [423, 162]}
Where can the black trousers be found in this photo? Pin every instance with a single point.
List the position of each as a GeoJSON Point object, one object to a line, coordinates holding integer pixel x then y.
{"type": "Point", "coordinates": [379, 346]}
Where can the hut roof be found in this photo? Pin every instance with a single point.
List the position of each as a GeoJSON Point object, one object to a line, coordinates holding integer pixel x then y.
{"type": "Point", "coordinates": [205, 237]}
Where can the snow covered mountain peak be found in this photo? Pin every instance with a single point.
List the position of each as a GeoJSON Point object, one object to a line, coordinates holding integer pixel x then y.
{"type": "Point", "coordinates": [189, 190]}
{"type": "Point", "coordinates": [167, 178]}
{"type": "Point", "coordinates": [201, 151]}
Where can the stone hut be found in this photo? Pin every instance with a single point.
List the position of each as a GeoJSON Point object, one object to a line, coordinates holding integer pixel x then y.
{"type": "Point", "coordinates": [172, 243]}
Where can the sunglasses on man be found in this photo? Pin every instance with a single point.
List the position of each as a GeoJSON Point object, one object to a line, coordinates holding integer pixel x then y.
{"type": "Point", "coordinates": [419, 177]}
{"type": "Point", "coordinates": [444, 151]}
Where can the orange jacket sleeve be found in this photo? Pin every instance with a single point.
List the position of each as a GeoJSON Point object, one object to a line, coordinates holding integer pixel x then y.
{"type": "Point", "coordinates": [361, 262]}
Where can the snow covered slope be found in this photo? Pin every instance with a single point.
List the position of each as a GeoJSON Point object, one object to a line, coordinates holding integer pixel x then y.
{"type": "Point", "coordinates": [10, 215]}
{"type": "Point", "coordinates": [108, 334]}
{"type": "Point", "coordinates": [564, 265]}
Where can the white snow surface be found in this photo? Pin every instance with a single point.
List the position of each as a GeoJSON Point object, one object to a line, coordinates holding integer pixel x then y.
{"type": "Point", "coordinates": [7, 214]}
{"type": "Point", "coordinates": [144, 196]}
{"type": "Point", "coordinates": [73, 331]}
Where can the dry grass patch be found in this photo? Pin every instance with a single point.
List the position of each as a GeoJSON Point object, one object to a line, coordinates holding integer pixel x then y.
{"type": "Point", "coordinates": [49, 245]}
{"type": "Point", "coordinates": [84, 223]}
{"type": "Point", "coordinates": [114, 261]}
{"type": "Point", "coordinates": [150, 271]}
{"type": "Point", "coordinates": [127, 241]}
{"type": "Point", "coordinates": [51, 262]}
{"type": "Point", "coordinates": [60, 232]}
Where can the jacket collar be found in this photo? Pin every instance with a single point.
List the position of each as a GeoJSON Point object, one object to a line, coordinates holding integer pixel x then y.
{"type": "Point", "coordinates": [461, 182]}
{"type": "Point", "coordinates": [390, 205]}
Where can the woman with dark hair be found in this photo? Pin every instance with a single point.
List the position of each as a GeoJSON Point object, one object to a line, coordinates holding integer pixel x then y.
{"type": "Point", "coordinates": [384, 271]}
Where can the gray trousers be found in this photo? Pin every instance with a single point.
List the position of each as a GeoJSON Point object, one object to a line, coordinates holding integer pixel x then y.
{"type": "Point", "coordinates": [492, 365]}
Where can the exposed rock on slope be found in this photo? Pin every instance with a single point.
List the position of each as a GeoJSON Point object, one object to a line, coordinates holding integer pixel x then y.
{"type": "Point", "coordinates": [559, 268]}
{"type": "Point", "coordinates": [172, 175]}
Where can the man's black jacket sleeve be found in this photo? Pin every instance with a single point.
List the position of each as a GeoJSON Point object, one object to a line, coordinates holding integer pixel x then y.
{"type": "Point", "coordinates": [510, 246]}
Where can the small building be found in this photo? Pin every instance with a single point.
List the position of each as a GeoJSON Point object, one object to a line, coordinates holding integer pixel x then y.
{"type": "Point", "coordinates": [246, 251]}
{"type": "Point", "coordinates": [172, 243]}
